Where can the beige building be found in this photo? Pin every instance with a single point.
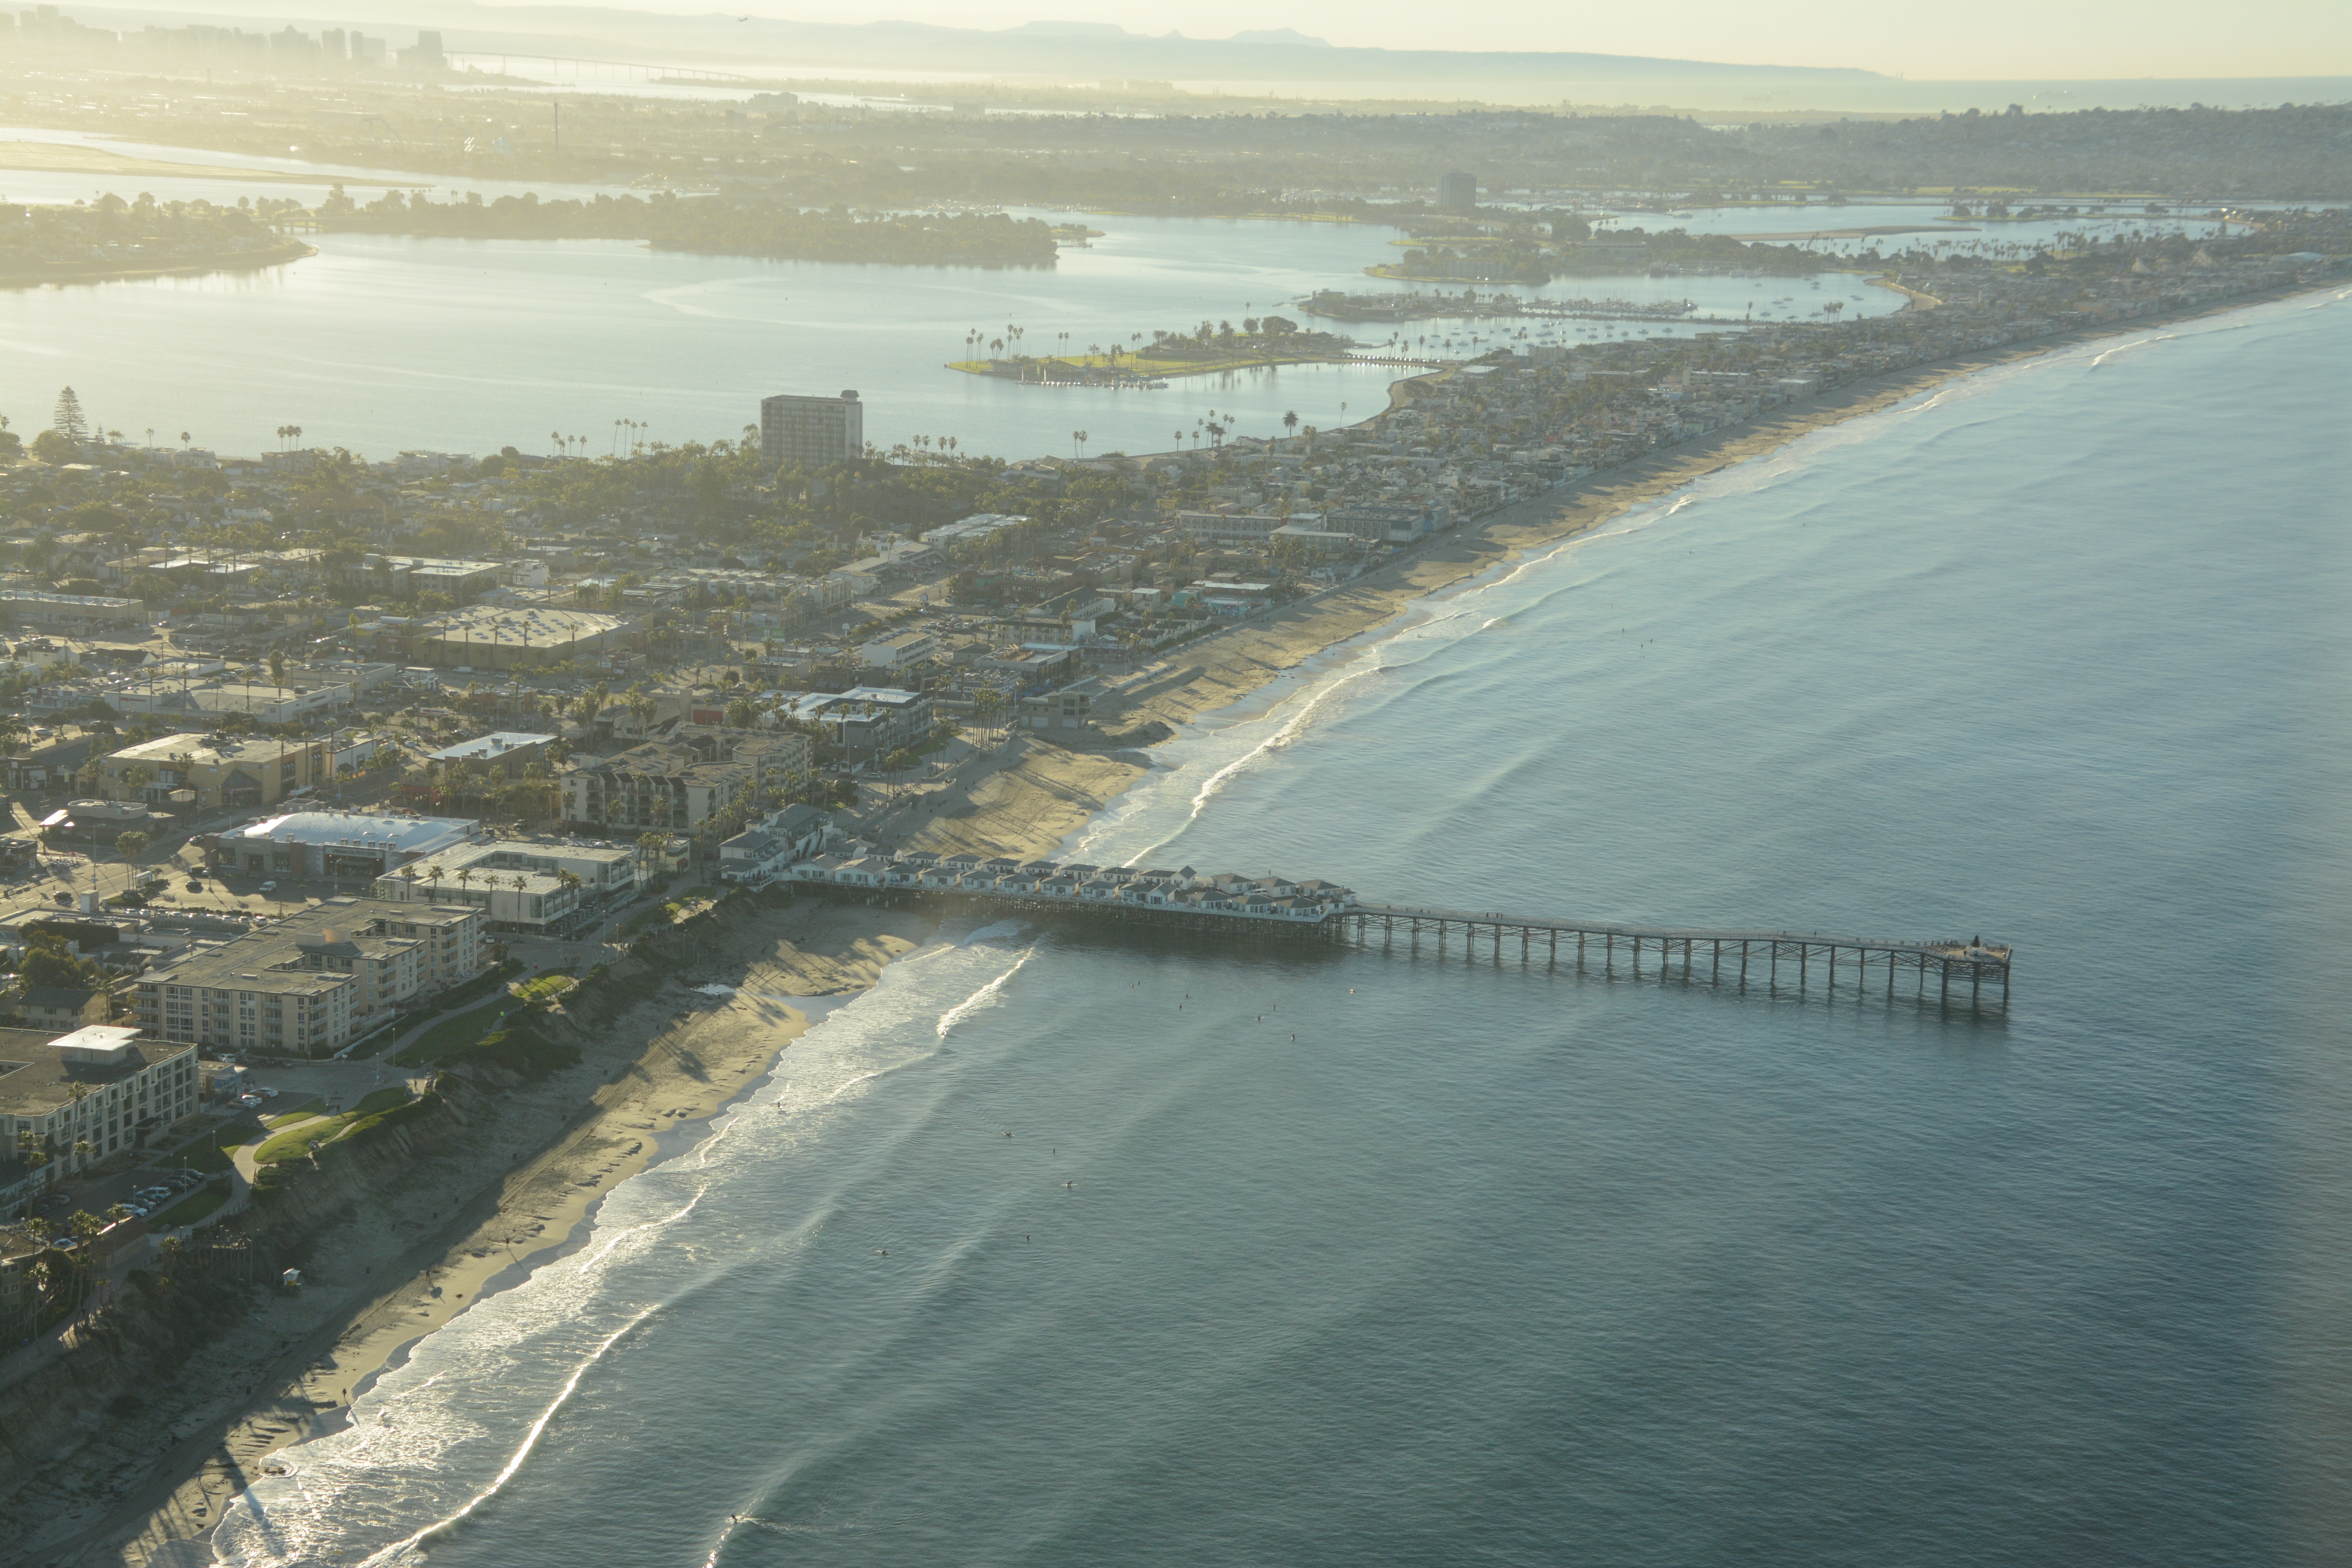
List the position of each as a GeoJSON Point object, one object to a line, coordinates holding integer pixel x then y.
{"type": "Point", "coordinates": [311, 984]}
{"type": "Point", "coordinates": [224, 772]}
{"type": "Point", "coordinates": [660, 787]}
{"type": "Point", "coordinates": [82, 1097]}
{"type": "Point", "coordinates": [603, 870]}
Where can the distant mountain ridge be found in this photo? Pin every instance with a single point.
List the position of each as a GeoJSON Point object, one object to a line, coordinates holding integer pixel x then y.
{"type": "Point", "coordinates": [1058, 49]}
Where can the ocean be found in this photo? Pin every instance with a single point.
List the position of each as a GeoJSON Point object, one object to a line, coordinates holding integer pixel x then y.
{"type": "Point", "coordinates": [1351, 1257]}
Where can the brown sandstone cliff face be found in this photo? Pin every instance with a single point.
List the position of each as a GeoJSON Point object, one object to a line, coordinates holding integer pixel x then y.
{"type": "Point", "coordinates": [124, 1361]}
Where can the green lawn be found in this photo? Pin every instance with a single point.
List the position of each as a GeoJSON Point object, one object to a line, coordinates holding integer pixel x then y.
{"type": "Point", "coordinates": [452, 1034]}
{"type": "Point", "coordinates": [554, 983]}
{"type": "Point", "coordinates": [377, 1099]}
{"type": "Point", "coordinates": [481, 985]}
{"type": "Point", "coordinates": [193, 1207]}
{"type": "Point", "coordinates": [297, 1142]}
{"type": "Point", "coordinates": [205, 1154]}
{"type": "Point", "coordinates": [311, 1106]}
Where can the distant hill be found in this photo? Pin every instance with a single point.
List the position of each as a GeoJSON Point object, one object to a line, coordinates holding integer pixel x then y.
{"type": "Point", "coordinates": [1044, 48]}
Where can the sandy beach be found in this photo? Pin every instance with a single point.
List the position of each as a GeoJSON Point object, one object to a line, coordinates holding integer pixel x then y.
{"type": "Point", "coordinates": [541, 1155]}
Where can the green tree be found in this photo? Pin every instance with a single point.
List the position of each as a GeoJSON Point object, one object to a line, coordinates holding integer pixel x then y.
{"type": "Point", "coordinates": [67, 420]}
{"type": "Point", "coordinates": [48, 962]}
{"type": "Point", "coordinates": [130, 845]}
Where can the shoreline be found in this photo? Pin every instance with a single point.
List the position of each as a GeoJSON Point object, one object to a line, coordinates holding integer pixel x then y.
{"type": "Point", "coordinates": [1025, 799]}
{"type": "Point", "coordinates": [1230, 665]}
{"type": "Point", "coordinates": [238, 261]}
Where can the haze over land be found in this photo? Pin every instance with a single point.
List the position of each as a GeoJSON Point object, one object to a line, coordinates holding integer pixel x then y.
{"type": "Point", "coordinates": [1715, 56]}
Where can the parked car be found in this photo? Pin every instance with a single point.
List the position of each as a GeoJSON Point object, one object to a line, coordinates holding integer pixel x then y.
{"type": "Point", "coordinates": [195, 885]}
{"type": "Point", "coordinates": [269, 886]}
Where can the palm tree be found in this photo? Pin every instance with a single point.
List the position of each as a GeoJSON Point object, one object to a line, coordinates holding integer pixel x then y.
{"type": "Point", "coordinates": [1290, 422]}
{"type": "Point", "coordinates": [464, 879]}
{"type": "Point", "coordinates": [434, 874]}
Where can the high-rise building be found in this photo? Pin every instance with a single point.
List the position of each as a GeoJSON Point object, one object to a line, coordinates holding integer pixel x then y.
{"type": "Point", "coordinates": [1457, 191]}
{"type": "Point", "coordinates": [811, 431]}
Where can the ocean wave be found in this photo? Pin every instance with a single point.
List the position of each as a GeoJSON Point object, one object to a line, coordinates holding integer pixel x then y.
{"type": "Point", "coordinates": [983, 998]}
{"type": "Point", "coordinates": [434, 1440]}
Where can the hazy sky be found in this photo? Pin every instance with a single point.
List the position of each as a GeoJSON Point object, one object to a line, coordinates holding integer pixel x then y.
{"type": "Point", "coordinates": [1976, 38]}
{"type": "Point", "coordinates": [1972, 39]}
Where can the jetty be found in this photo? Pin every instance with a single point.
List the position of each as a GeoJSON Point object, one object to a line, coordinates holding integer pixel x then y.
{"type": "Point", "coordinates": [1964, 970]}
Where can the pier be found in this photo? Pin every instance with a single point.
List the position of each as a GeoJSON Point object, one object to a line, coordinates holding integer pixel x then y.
{"type": "Point", "coordinates": [1738, 958]}
{"type": "Point", "coordinates": [1966, 972]}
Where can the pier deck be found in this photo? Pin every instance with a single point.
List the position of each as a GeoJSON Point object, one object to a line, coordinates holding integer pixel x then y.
{"type": "Point", "coordinates": [1964, 970]}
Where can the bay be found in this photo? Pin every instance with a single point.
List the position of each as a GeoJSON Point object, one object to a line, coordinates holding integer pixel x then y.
{"type": "Point", "coordinates": [380, 344]}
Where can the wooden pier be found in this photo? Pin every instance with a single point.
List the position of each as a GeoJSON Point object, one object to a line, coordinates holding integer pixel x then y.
{"type": "Point", "coordinates": [1966, 972]}
{"type": "Point", "coordinates": [1963, 971]}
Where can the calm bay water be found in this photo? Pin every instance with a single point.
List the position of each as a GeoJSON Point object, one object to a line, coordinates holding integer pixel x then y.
{"type": "Point", "coordinates": [1344, 1257]}
{"type": "Point", "coordinates": [379, 344]}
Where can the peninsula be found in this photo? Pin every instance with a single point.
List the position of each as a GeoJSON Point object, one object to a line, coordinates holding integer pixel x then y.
{"type": "Point", "coordinates": [115, 238]}
{"type": "Point", "coordinates": [1209, 348]}
{"type": "Point", "coordinates": [709, 225]}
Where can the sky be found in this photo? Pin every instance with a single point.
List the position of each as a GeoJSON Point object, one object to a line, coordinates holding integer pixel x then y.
{"type": "Point", "coordinates": [2001, 40]}
{"type": "Point", "coordinates": [1980, 40]}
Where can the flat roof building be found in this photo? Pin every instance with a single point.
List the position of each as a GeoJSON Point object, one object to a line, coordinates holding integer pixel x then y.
{"type": "Point", "coordinates": [506, 750]}
{"type": "Point", "coordinates": [811, 431]}
{"type": "Point", "coordinates": [310, 984]}
{"type": "Point", "coordinates": [223, 771]}
{"type": "Point", "coordinates": [340, 844]}
{"type": "Point", "coordinates": [660, 787]}
{"type": "Point", "coordinates": [82, 1096]}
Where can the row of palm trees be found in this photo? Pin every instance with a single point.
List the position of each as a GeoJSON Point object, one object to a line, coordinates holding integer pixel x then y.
{"type": "Point", "coordinates": [467, 876]}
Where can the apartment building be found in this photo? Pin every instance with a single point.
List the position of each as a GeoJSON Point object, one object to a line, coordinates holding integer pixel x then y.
{"type": "Point", "coordinates": [660, 787]}
{"type": "Point", "coordinates": [811, 431]}
{"type": "Point", "coordinates": [82, 1097]}
{"type": "Point", "coordinates": [310, 984]}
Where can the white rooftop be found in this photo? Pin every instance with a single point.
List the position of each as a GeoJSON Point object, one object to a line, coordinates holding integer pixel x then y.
{"type": "Point", "coordinates": [491, 745]}
{"type": "Point", "coordinates": [95, 1043]}
{"type": "Point", "coordinates": [368, 830]}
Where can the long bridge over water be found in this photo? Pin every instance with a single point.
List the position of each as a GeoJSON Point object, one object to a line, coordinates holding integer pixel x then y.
{"type": "Point", "coordinates": [1963, 970]}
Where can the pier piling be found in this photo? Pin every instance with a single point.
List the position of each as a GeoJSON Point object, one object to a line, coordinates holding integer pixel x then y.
{"type": "Point", "coordinates": [1982, 963]}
